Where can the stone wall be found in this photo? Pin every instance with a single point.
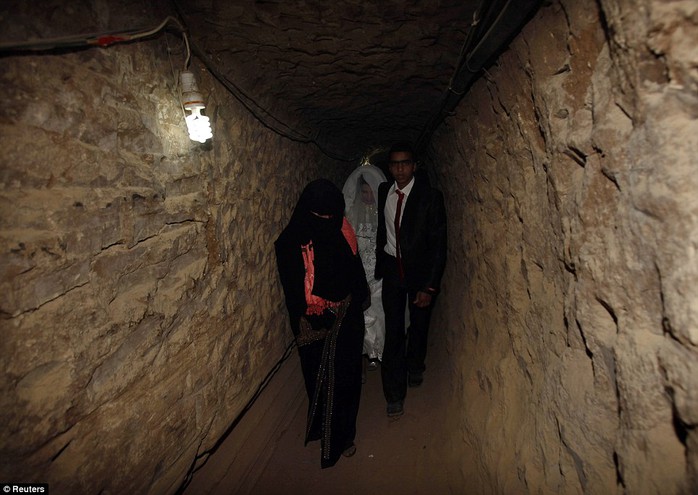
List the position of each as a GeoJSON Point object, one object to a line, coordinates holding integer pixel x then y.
{"type": "Point", "coordinates": [571, 295]}
{"type": "Point", "coordinates": [139, 303]}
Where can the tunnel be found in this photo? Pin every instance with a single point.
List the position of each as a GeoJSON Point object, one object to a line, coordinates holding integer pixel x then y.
{"type": "Point", "coordinates": [145, 341]}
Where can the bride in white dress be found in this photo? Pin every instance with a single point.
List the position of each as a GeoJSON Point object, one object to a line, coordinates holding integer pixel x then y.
{"type": "Point", "coordinates": [360, 196]}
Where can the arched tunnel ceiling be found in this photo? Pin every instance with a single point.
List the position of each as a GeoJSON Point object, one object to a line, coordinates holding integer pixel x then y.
{"type": "Point", "coordinates": [351, 73]}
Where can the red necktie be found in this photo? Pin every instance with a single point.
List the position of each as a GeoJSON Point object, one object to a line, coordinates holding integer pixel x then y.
{"type": "Point", "coordinates": [400, 196]}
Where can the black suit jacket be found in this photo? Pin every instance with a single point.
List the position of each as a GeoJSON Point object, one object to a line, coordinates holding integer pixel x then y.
{"type": "Point", "coordinates": [422, 236]}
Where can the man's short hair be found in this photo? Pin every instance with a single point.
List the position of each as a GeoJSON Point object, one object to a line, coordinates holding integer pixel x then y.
{"type": "Point", "coordinates": [402, 146]}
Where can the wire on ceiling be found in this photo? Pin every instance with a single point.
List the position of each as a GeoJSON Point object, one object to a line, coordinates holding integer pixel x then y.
{"type": "Point", "coordinates": [494, 23]}
{"type": "Point", "coordinates": [105, 39]}
{"type": "Point", "coordinates": [102, 39]}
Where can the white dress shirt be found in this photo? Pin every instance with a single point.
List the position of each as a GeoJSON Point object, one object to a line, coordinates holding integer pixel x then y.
{"type": "Point", "coordinates": [390, 210]}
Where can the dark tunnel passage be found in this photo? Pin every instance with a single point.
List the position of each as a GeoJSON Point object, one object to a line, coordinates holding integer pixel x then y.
{"type": "Point", "coordinates": [145, 340]}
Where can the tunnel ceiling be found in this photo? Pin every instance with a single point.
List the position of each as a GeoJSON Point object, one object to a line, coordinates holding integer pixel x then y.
{"type": "Point", "coordinates": [351, 74]}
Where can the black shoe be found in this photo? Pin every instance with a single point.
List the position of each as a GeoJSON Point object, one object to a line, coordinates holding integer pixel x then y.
{"type": "Point", "coordinates": [415, 379]}
{"type": "Point", "coordinates": [395, 408]}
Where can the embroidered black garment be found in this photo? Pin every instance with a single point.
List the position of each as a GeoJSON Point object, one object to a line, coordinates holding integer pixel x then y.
{"type": "Point", "coordinates": [329, 340]}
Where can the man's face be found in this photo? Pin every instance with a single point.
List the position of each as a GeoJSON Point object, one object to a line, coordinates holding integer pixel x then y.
{"type": "Point", "coordinates": [402, 166]}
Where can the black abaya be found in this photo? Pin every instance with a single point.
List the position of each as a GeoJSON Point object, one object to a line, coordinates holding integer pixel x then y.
{"type": "Point", "coordinates": [329, 335]}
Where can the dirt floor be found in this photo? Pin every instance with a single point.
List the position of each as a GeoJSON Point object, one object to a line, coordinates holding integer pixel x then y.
{"type": "Point", "coordinates": [408, 455]}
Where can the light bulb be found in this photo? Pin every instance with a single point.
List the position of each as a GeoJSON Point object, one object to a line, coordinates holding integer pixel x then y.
{"type": "Point", "coordinates": [199, 126]}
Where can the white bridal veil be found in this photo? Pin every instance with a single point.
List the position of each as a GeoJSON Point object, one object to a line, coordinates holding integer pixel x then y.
{"type": "Point", "coordinates": [360, 196]}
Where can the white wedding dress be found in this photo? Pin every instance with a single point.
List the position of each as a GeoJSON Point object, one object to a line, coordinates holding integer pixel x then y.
{"type": "Point", "coordinates": [360, 195]}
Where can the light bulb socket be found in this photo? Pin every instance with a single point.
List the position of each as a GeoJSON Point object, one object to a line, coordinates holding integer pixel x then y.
{"type": "Point", "coordinates": [188, 81]}
{"type": "Point", "coordinates": [191, 98]}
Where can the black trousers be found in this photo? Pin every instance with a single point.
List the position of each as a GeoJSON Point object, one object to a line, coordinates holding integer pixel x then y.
{"type": "Point", "coordinates": [405, 349]}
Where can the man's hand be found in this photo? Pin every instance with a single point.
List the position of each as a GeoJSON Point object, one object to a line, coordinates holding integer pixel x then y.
{"type": "Point", "coordinates": [422, 300]}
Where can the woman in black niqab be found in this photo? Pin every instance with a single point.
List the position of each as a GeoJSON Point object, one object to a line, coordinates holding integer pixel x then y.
{"type": "Point", "coordinates": [325, 288]}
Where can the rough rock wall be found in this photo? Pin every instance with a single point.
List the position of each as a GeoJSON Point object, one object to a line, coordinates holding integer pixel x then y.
{"type": "Point", "coordinates": [571, 294]}
{"type": "Point", "coordinates": [140, 306]}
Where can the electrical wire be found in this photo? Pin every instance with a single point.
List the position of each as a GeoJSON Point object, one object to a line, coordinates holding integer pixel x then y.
{"type": "Point", "coordinates": [269, 120]}
{"type": "Point", "coordinates": [435, 117]}
{"type": "Point", "coordinates": [482, 20]}
{"type": "Point", "coordinates": [486, 35]}
{"type": "Point", "coordinates": [261, 114]}
{"type": "Point", "coordinates": [266, 118]}
{"type": "Point", "coordinates": [193, 468]}
{"type": "Point", "coordinates": [186, 43]}
{"type": "Point", "coordinates": [249, 103]}
{"type": "Point", "coordinates": [175, 78]}
{"type": "Point", "coordinates": [89, 40]}
{"type": "Point", "coordinates": [463, 49]}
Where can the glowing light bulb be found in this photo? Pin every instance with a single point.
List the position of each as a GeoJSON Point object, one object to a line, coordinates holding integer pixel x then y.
{"type": "Point", "coordinates": [199, 126]}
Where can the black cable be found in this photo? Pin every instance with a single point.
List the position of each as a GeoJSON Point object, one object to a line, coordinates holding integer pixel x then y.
{"type": "Point", "coordinates": [193, 468]}
{"type": "Point", "coordinates": [106, 39]}
{"type": "Point", "coordinates": [102, 39]}
{"type": "Point", "coordinates": [498, 15]}
{"type": "Point", "coordinates": [255, 108]}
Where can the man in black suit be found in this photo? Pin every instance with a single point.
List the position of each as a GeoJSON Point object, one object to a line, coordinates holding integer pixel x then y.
{"type": "Point", "coordinates": [411, 255]}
